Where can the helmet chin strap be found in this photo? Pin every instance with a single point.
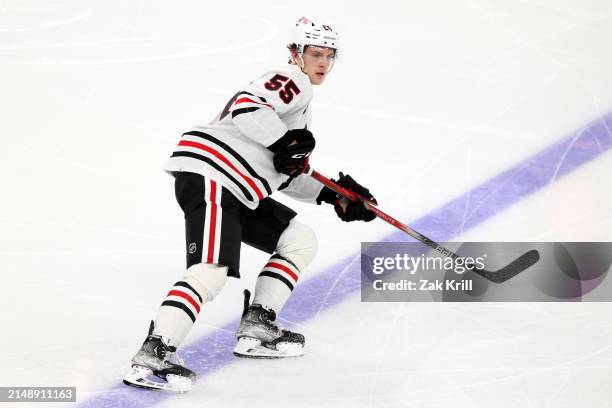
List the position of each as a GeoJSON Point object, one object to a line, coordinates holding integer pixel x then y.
{"type": "Point", "coordinates": [300, 61]}
{"type": "Point", "coordinates": [331, 66]}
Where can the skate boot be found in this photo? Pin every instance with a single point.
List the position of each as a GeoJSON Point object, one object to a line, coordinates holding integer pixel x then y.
{"type": "Point", "coordinates": [259, 337]}
{"type": "Point", "coordinates": [151, 367]}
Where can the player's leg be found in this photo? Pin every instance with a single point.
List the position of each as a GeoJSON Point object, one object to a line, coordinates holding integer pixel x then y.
{"type": "Point", "coordinates": [212, 242]}
{"type": "Point", "coordinates": [213, 232]}
{"type": "Point", "coordinates": [273, 229]}
{"type": "Point", "coordinates": [296, 248]}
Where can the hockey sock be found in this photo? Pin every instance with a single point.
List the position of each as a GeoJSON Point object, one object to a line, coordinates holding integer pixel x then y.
{"type": "Point", "coordinates": [178, 312]}
{"type": "Point", "coordinates": [275, 283]}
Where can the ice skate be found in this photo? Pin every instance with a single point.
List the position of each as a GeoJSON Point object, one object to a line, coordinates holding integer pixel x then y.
{"type": "Point", "coordinates": [152, 369]}
{"type": "Point", "coordinates": [259, 337]}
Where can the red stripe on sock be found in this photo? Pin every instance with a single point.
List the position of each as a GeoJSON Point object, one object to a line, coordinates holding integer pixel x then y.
{"type": "Point", "coordinates": [282, 268]}
{"type": "Point", "coordinates": [185, 296]}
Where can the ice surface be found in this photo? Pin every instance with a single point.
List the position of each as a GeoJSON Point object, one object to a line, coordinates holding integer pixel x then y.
{"type": "Point", "coordinates": [428, 100]}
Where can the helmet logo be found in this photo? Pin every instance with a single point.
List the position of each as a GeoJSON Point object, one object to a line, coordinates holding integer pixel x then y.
{"type": "Point", "coordinates": [304, 20]}
{"type": "Point", "coordinates": [327, 28]}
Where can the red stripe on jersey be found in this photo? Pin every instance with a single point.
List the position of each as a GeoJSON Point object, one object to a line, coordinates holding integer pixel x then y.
{"type": "Point", "coordinates": [282, 268]}
{"type": "Point", "coordinates": [218, 155]}
{"type": "Point", "coordinates": [245, 100]}
{"type": "Point", "coordinates": [213, 221]}
{"type": "Point", "coordinates": [185, 296]}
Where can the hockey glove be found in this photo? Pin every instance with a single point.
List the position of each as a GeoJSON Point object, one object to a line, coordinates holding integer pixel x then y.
{"type": "Point", "coordinates": [348, 210]}
{"type": "Point", "coordinates": [292, 150]}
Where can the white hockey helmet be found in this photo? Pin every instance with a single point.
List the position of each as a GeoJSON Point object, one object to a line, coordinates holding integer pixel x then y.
{"type": "Point", "coordinates": [310, 32]}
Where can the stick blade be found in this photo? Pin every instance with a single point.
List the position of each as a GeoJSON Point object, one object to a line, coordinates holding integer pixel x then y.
{"type": "Point", "coordinates": [509, 271]}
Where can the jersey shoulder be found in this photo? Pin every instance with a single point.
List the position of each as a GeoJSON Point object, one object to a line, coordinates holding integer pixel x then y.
{"type": "Point", "coordinates": [293, 72]}
{"type": "Point", "coordinates": [288, 78]}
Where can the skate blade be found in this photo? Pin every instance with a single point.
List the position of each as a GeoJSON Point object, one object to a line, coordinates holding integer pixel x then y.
{"type": "Point", "coordinates": [252, 348]}
{"type": "Point", "coordinates": [143, 377]}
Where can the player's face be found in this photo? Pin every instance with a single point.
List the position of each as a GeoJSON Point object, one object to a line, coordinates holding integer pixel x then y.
{"type": "Point", "coordinates": [317, 63]}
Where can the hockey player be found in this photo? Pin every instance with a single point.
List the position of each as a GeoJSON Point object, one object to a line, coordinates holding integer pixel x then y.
{"type": "Point", "coordinates": [224, 174]}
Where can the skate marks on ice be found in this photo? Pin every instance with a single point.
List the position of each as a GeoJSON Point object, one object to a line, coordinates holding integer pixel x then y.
{"type": "Point", "coordinates": [203, 356]}
{"type": "Point", "coordinates": [341, 280]}
{"type": "Point", "coordinates": [21, 17]}
{"type": "Point", "coordinates": [121, 43]}
{"type": "Point", "coordinates": [531, 175]}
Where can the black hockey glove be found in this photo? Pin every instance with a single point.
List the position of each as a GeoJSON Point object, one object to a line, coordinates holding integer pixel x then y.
{"type": "Point", "coordinates": [348, 210]}
{"type": "Point", "coordinates": [292, 150]}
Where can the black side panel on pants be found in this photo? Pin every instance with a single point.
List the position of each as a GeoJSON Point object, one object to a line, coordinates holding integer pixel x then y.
{"type": "Point", "coordinates": [260, 228]}
{"type": "Point", "coordinates": [190, 190]}
{"type": "Point", "coordinates": [265, 224]}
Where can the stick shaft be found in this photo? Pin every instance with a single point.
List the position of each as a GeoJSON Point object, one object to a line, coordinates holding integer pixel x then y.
{"type": "Point", "coordinates": [380, 214]}
{"type": "Point", "coordinates": [514, 268]}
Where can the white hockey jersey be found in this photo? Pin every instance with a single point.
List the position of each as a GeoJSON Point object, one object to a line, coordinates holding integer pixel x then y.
{"type": "Point", "coordinates": [232, 149]}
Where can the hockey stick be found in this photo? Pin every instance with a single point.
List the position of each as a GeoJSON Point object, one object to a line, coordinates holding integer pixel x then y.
{"type": "Point", "coordinates": [501, 275]}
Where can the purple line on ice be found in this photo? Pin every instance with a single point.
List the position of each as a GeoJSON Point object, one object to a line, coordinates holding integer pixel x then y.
{"type": "Point", "coordinates": [335, 284]}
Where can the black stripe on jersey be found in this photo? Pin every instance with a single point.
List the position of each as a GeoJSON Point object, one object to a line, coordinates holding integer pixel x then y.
{"type": "Point", "coordinates": [256, 96]}
{"type": "Point", "coordinates": [282, 258]}
{"type": "Point", "coordinates": [181, 306]}
{"type": "Point", "coordinates": [242, 188]}
{"type": "Point", "coordinates": [240, 111]}
{"type": "Point", "coordinates": [188, 286]}
{"type": "Point", "coordinates": [286, 183]}
{"type": "Point", "coordinates": [279, 277]}
{"type": "Point", "coordinates": [235, 155]}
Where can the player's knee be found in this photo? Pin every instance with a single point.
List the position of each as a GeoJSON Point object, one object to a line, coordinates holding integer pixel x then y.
{"type": "Point", "coordinates": [207, 279]}
{"type": "Point", "coordinates": [298, 243]}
